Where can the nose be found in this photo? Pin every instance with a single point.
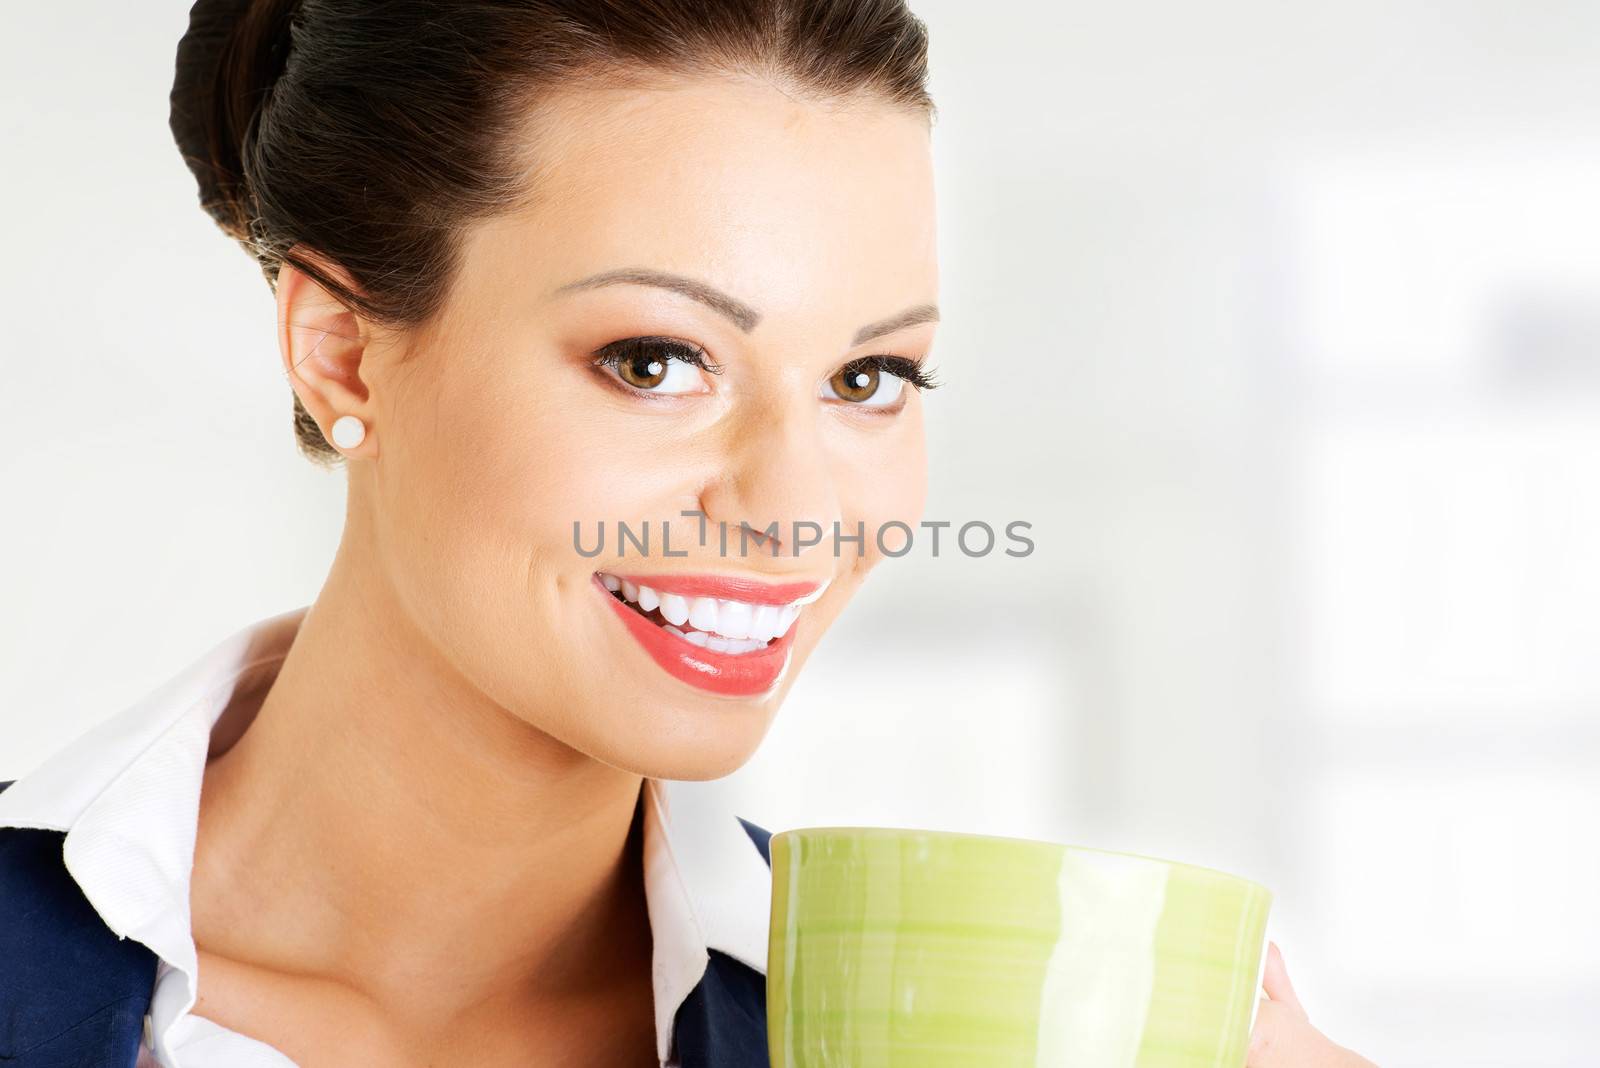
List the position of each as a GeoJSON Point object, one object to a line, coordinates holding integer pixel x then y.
{"type": "Point", "coordinates": [778, 484]}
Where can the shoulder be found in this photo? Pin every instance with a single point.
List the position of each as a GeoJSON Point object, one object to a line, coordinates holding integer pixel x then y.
{"type": "Point", "coordinates": [60, 965]}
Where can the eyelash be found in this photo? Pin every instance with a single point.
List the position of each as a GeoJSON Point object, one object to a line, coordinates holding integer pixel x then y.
{"type": "Point", "coordinates": [899, 366]}
{"type": "Point", "coordinates": [618, 352]}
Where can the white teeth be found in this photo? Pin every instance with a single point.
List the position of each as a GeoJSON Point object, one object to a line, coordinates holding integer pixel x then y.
{"type": "Point", "coordinates": [703, 613]}
{"type": "Point", "coordinates": [720, 625]}
{"type": "Point", "coordinates": [786, 618]}
{"type": "Point", "coordinates": [734, 619]}
{"type": "Point", "coordinates": [717, 643]}
{"type": "Point", "coordinates": [674, 609]}
{"type": "Point", "coordinates": [764, 623]}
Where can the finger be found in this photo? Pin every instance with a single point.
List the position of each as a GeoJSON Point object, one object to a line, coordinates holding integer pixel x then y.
{"type": "Point", "coordinates": [1260, 1032]}
{"type": "Point", "coordinates": [1282, 1038]}
{"type": "Point", "coordinates": [1275, 981]}
{"type": "Point", "coordinates": [1272, 1038]}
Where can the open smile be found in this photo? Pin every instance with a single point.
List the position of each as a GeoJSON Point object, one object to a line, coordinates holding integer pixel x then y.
{"type": "Point", "coordinates": [726, 635]}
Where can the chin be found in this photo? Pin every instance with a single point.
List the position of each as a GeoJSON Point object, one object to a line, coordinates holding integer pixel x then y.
{"type": "Point", "coordinates": [664, 728]}
{"type": "Point", "coordinates": [691, 738]}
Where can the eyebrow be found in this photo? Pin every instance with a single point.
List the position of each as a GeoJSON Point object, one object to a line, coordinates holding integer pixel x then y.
{"type": "Point", "coordinates": [742, 315]}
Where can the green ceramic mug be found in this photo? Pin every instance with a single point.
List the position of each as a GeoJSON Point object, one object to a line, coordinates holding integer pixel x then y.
{"type": "Point", "coordinates": [932, 949]}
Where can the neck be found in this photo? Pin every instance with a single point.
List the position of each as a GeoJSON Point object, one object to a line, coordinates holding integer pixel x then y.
{"type": "Point", "coordinates": [382, 823]}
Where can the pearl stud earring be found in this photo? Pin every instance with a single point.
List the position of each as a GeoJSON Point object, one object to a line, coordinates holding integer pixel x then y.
{"type": "Point", "coordinates": [348, 431]}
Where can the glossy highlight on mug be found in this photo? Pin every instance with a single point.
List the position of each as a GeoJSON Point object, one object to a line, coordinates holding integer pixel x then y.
{"type": "Point", "coordinates": [892, 946]}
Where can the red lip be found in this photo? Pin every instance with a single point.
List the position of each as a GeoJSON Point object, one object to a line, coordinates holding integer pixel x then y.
{"type": "Point", "coordinates": [736, 675]}
{"type": "Point", "coordinates": [727, 588]}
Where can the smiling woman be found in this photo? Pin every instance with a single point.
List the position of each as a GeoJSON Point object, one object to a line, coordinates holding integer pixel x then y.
{"type": "Point", "coordinates": [538, 265]}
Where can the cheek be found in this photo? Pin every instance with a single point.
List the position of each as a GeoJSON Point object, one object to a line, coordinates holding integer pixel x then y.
{"type": "Point", "coordinates": [489, 469]}
{"type": "Point", "coordinates": [511, 457]}
{"type": "Point", "coordinates": [883, 481]}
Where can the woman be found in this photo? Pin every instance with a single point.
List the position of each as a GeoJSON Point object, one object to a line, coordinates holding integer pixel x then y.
{"type": "Point", "coordinates": [544, 270]}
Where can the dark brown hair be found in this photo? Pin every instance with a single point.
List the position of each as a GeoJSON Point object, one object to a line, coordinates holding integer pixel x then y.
{"type": "Point", "coordinates": [367, 132]}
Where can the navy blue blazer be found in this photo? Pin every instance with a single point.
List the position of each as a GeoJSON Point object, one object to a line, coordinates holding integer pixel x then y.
{"type": "Point", "coordinates": [74, 995]}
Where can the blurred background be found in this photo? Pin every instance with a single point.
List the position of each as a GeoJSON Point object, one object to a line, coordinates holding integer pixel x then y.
{"type": "Point", "coordinates": [1279, 322]}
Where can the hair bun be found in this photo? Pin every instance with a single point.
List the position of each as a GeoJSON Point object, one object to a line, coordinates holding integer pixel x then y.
{"type": "Point", "coordinates": [227, 61]}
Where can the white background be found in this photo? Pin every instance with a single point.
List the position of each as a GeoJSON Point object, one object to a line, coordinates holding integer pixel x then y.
{"type": "Point", "coordinates": [1279, 321]}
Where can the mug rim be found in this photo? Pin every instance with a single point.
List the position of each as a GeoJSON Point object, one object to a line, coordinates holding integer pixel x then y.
{"type": "Point", "coordinates": [839, 830]}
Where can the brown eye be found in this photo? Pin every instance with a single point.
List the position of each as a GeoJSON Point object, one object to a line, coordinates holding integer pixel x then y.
{"type": "Point", "coordinates": [856, 382]}
{"type": "Point", "coordinates": [642, 370]}
{"type": "Point", "coordinates": [656, 365]}
{"type": "Point", "coordinates": [876, 382]}
{"type": "Point", "coordinates": [866, 384]}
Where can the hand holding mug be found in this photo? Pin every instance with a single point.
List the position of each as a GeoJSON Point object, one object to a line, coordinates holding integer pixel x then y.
{"type": "Point", "coordinates": [1283, 1036]}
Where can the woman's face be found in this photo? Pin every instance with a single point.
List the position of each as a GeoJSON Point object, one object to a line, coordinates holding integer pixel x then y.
{"type": "Point", "coordinates": [768, 235]}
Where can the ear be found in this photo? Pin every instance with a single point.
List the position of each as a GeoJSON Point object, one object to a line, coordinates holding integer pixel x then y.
{"type": "Point", "coordinates": [322, 343]}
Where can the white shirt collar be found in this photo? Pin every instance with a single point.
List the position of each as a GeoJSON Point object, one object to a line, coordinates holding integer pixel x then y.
{"type": "Point", "coordinates": [127, 792]}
